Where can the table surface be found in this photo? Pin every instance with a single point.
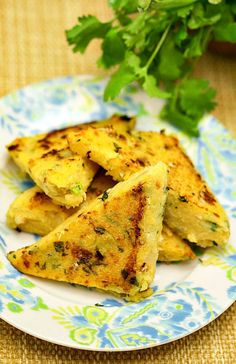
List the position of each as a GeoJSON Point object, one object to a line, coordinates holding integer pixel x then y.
{"type": "Point", "coordinates": [33, 48]}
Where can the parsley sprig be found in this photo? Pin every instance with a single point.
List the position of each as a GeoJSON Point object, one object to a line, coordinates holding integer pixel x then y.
{"type": "Point", "coordinates": [157, 42]}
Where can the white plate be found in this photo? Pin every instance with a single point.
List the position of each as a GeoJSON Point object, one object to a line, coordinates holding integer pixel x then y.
{"type": "Point", "coordinates": [186, 296]}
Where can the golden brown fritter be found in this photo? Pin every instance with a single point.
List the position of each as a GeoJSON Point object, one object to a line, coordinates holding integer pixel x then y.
{"type": "Point", "coordinates": [61, 174]}
{"type": "Point", "coordinates": [34, 212]}
{"type": "Point", "coordinates": [192, 210]}
{"type": "Point", "coordinates": [110, 244]}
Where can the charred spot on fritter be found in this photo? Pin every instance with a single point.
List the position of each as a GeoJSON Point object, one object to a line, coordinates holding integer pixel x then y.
{"type": "Point", "coordinates": [99, 255]}
{"type": "Point", "coordinates": [124, 273]}
{"type": "Point", "coordinates": [133, 281]}
{"type": "Point", "coordinates": [207, 196]}
{"type": "Point", "coordinates": [40, 197]}
{"type": "Point", "coordinates": [26, 263]}
{"type": "Point", "coordinates": [13, 147]}
{"type": "Point", "coordinates": [25, 256]}
{"type": "Point", "coordinates": [55, 132]}
{"type": "Point", "coordinates": [129, 269]}
{"type": "Point", "coordinates": [45, 145]}
{"type": "Point", "coordinates": [183, 199]}
{"type": "Point", "coordinates": [175, 142]}
{"type": "Point", "coordinates": [51, 152]}
{"type": "Point", "coordinates": [99, 230]}
{"type": "Point", "coordinates": [122, 137]}
{"type": "Point", "coordinates": [199, 177]}
{"type": "Point", "coordinates": [137, 190]}
{"type": "Point", "coordinates": [137, 230]}
{"type": "Point", "coordinates": [141, 161]}
{"type": "Point", "coordinates": [88, 154]}
{"type": "Point", "coordinates": [82, 255]}
{"type": "Point", "coordinates": [125, 117]}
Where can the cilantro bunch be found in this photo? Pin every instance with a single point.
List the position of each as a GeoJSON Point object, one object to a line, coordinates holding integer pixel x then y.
{"type": "Point", "coordinates": [157, 42]}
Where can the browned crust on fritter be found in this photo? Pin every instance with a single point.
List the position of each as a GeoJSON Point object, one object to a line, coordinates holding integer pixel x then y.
{"type": "Point", "coordinates": [39, 198]}
{"type": "Point", "coordinates": [47, 141]}
{"type": "Point", "coordinates": [130, 267]}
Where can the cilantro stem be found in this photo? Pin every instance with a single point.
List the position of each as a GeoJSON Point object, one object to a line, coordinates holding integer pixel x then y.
{"type": "Point", "coordinates": [206, 38]}
{"type": "Point", "coordinates": [158, 46]}
{"type": "Point", "coordinates": [170, 4]}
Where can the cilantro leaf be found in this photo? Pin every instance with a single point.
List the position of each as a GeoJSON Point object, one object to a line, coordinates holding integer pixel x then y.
{"type": "Point", "coordinates": [135, 32]}
{"type": "Point", "coordinates": [199, 17]}
{"type": "Point", "coordinates": [197, 44]}
{"type": "Point", "coordinates": [226, 32]}
{"type": "Point", "coordinates": [144, 4]}
{"type": "Point", "coordinates": [129, 71]}
{"type": "Point", "coordinates": [148, 81]}
{"type": "Point", "coordinates": [171, 61]}
{"type": "Point", "coordinates": [185, 11]}
{"type": "Point", "coordinates": [133, 61]}
{"type": "Point", "coordinates": [150, 86]}
{"type": "Point", "coordinates": [196, 97]}
{"type": "Point", "coordinates": [113, 49]}
{"type": "Point", "coordinates": [123, 19]}
{"type": "Point", "coordinates": [233, 8]}
{"type": "Point", "coordinates": [89, 27]}
{"type": "Point", "coordinates": [180, 35]}
{"type": "Point", "coordinates": [127, 6]}
{"type": "Point", "coordinates": [170, 112]}
{"type": "Point", "coordinates": [189, 102]}
{"type": "Point", "coordinates": [121, 78]}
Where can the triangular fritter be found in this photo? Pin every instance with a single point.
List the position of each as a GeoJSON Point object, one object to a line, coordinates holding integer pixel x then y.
{"type": "Point", "coordinates": [192, 211]}
{"type": "Point", "coordinates": [111, 244]}
{"type": "Point", "coordinates": [61, 174]}
{"type": "Point", "coordinates": [34, 212]}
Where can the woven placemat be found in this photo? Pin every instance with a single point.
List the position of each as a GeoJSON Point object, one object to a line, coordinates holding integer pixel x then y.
{"type": "Point", "coordinates": [33, 48]}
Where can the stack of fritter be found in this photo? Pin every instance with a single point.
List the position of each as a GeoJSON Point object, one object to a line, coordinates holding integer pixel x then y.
{"type": "Point", "coordinates": [111, 201]}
